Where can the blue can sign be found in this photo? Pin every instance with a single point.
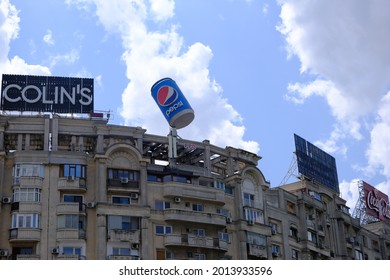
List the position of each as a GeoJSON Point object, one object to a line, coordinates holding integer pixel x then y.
{"type": "Point", "coordinates": [172, 103]}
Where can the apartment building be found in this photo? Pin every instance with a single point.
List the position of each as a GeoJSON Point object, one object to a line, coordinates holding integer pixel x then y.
{"type": "Point", "coordinates": [81, 188]}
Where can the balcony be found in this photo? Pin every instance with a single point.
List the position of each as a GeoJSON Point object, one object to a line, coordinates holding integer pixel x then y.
{"type": "Point", "coordinates": [122, 185]}
{"type": "Point", "coordinates": [26, 207]}
{"type": "Point", "coordinates": [25, 234]}
{"type": "Point", "coordinates": [258, 251]}
{"type": "Point", "coordinates": [132, 236]}
{"type": "Point", "coordinates": [70, 208]}
{"type": "Point", "coordinates": [174, 189]}
{"type": "Point", "coordinates": [70, 234]}
{"type": "Point", "coordinates": [28, 181]}
{"type": "Point", "coordinates": [123, 257]}
{"type": "Point", "coordinates": [194, 217]}
{"type": "Point", "coordinates": [27, 257]}
{"type": "Point", "coordinates": [309, 200]}
{"type": "Point", "coordinates": [72, 183]}
{"type": "Point", "coordinates": [191, 240]}
{"type": "Point", "coordinates": [71, 257]}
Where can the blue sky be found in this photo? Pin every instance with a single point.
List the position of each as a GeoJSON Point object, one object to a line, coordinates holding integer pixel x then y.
{"type": "Point", "coordinates": [254, 71]}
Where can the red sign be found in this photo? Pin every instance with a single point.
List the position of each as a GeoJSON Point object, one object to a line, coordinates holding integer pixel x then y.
{"type": "Point", "coordinates": [377, 203]}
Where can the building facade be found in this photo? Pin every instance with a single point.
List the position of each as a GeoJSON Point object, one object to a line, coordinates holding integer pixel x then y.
{"type": "Point", "coordinates": [80, 188]}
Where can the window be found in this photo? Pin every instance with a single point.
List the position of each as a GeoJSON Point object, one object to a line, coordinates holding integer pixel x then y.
{"type": "Point", "coordinates": [229, 190]}
{"type": "Point", "coordinates": [121, 251]}
{"type": "Point", "coordinates": [274, 228]}
{"type": "Point", "coordinates": [26, 194]}
{"type": "Point", "coordinates": [71, 251]}
{"type": "Point", "coordinates": [275, 249]}
{"type": "Point", "coordinates": [198, 207]}
{"type": "Point", "coordinates": [291, 208]}
{"type": "Point", "coordinates": [121, 199]}
{"type": "Point", "coordinates": [25, 220]}
{"type": "Point", "coordinates": [199, 256]}
{"type": "Point", "coordinates": [311, 236]}
{"type": "Point", "coordinates": [161, 230]}
{"type": "Point", "coordinates": [71, 221]}
{"type": "Point", "coordinates": [28, 170]}
{"type": "Point", "coordinates": [256, 239]}
{"type": "Point", "coordinates": [223, 212]}
{"type": "Point", "coordinates": [358, 255]}
{"type": "Point", "coordinates": [123, 222]}
{"type": "Point", "coordinates": [224, 236]}
{"type": "Point", "coordinates": [119, 174]}
{"type": "Point", "coordinates": [249, 199]}
{"type": "Point", "coordinates": [200, 232]}
{"type": "Point", "coordinates": [73, 170]}
{"type": "Point", "coordinates": [219, 185]}
{"type": "Point", "coordinates": [293, 232]}
{"type": "Point", "coordinates": [73, 198]}
{"type": "Point", "coordinates": [161, 205]}
{"type": "Point", "coordinates": [255, 216]}
{"type": "Point", "coordinates": [294, 254]}
{"type": "Point", "coordinates": [175, 178]}
{"type": "Point", "coordinates": [154, 178]}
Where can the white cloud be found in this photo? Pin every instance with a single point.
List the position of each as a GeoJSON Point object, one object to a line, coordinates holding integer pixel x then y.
{"type": "Point", "coordinates": [162, 9]}
{"type": "Point", "coordinates": [68, 58]}
{"type": "Point", "coordinates": [350, 193]}
{"type": "Point", "coordinates": [154, 54]}
{"type": "Point", "coordinates": [9, 29]}
{"type": "Point", "coordinates": [345, 51]}
{"type": "Point", "coordinates": [48, 38]}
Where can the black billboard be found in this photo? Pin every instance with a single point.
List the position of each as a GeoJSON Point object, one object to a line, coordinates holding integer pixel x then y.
{"type": "Point", "coordinates": [316, 164]}
{"type": "Point", "coordinates": [46, 94]}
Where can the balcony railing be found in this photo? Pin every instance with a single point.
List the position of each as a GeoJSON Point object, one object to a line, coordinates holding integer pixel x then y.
{"type": "Point", "coordinates": [72, 183]}
{"type": "Point", "coordinates": [70, 233]}
{"type": "Point", "coordinates": [70, 208]}
{"type": "Point", "coordinates": [257, 250]}
{"type": "Point", "coordinates": [26, 207]}
{"type": "Point", "coordinates": [195, 217]}
{"type": "Point", "coordinates": [25, 234]}
{"type": "Point", "coordinates": [28, 181]}
{"type": "Point", "coordinates": [191, 240]}
{"type": "Point", "coordinates": [175, 189]}
{"type": "Point", "coordinates": [122, 184]}
{"type": "Point", "coordinates": [123, 257]}
{"type": "Point", "coordinates": [132, 236]}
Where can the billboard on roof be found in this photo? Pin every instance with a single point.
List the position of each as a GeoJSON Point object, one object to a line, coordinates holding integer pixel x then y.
{"type": "Point", "coordinates": [377, 203]}
{"type": "Point", "coordinates": [46, 94]}
{"type": "Point", "coordinates": [315, 164]}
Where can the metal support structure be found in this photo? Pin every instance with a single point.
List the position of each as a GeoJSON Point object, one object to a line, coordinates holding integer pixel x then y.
{"type": "Point", "coordinates": [360, 209]}
{"type": "Point", "coordinates": [172, 146]}
{"type": "Point", "coordinates": [291, 171]}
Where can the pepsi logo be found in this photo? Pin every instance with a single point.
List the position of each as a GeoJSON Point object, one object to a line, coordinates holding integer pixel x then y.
{"type": "Point", "coordinates": [166, 95]}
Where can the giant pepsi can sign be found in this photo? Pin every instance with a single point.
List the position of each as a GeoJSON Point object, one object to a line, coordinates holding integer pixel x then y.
{"type": "Point", "coordinates": [172, 103]}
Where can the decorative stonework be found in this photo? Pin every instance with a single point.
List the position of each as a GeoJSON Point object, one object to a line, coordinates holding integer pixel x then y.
{"type": "Point", "coordinates": [122, 159]}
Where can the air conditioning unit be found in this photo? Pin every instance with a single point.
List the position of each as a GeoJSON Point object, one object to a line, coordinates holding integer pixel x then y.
{"type": "Point", "coordinates": [134, 195]}
{"type": "Point", "coordinates": [177, 199]}
{"type": "Point", "coordinates": [135, 246]}
{"type": "Point", "coordinates": [71, 178]}
{"type": "Point", "coordinates": [6, 200]}
{"type": "Point", "coordinates": [273, 231]}
{"type": "Point", "coordinates": [229, 220]}
{"type": "Point", "coordinates": [55, 251]}
{"type": "Point", "coordinates": [124, 180]}
{"type": "Point", "coordinates": [3, 253]}
{"type": "Point", "coordinates": [91, 204]}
